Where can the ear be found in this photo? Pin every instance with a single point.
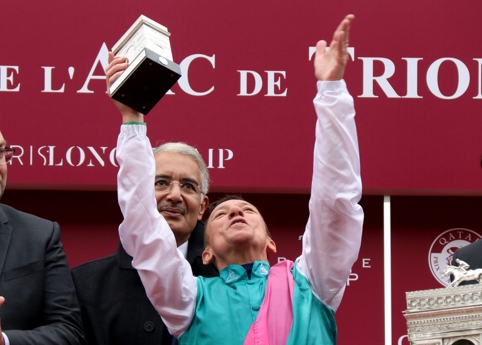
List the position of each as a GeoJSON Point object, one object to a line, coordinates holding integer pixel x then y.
{"type": "Point", "coordinates": [271, 247]}
{"type": "Point", "coordinates": [208, 256]}
{"type": "Point", "coordinates": [203, 207]}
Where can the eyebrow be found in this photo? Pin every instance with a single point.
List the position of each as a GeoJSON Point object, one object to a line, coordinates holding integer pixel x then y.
{"type": "Point", "coordinates": [3, 143]}
{"type": "Point", "coordinates": [183, 180]}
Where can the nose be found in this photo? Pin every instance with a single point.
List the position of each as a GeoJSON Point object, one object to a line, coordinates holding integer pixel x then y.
{"type": "Point", "coordinates": [236, 211]}
{"type": "Point", "coordinates": [174, 193]}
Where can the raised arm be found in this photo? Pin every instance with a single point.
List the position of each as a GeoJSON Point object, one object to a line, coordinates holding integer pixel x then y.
{"type": "Point", "coordinates": [144, 233]}
{"type": "Point", "coordinates": [332, 237]}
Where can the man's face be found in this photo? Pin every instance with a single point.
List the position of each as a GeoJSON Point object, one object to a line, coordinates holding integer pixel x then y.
{"type": "Point", "coordinates": [236, 232]}
{"type": "Point", "coordinates": [181, 210]}
{"type": "Point", "coordinates": [3, 167]}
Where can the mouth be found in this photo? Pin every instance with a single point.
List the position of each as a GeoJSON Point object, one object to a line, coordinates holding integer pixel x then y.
{"type": "Point", "coordinates": [168, 211]}
{"type": "Point", "coordinates": [238, 221]}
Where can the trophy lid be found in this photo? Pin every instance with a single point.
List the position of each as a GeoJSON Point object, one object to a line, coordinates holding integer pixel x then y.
{"type": "Point", "coordinates": [142, 20]}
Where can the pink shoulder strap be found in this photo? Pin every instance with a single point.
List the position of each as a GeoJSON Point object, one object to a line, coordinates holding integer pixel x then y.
{"type": "Point", "coordinates": [275, 317]}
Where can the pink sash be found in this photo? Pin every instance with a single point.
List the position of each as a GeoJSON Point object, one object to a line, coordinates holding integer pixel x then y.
{"type": "Point", "coordinates": [273, 324]}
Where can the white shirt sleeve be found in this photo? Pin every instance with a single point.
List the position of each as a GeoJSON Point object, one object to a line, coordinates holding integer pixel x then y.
{"type": "Point", "coordinates": [146, 236]}
{"type": "Point", "coordinates": [332, 237]}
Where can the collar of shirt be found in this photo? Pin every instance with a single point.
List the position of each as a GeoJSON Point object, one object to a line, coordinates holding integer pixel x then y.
{"type": "Point", "coordinates": [234, 273]}
{"type": "Point", "coordinates": [183, 249]}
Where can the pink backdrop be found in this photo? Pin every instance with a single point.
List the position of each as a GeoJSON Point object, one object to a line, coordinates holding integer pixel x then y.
{"type": "Point", "coordinates": [408, 58]}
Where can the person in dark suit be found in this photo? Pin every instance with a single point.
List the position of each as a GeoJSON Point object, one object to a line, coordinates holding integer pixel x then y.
{"type": "Point", "coordinates": [115, 308]}
{"type": "Point", "coordinates": [38, 303]}
{"type": "Point", "coordinates": [472, 255]}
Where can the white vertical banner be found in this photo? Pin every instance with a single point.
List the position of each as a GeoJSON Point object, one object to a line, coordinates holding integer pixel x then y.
{"type": "Point", "coordinates": [387, 269]}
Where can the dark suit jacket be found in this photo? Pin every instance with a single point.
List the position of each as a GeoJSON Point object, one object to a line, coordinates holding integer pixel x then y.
{"type": "Point", "coordinates": [471, 254]}
{"type": "Point", "coordinates": [115, 308]}
{"type": "Point", "coordinates": [40, 302]}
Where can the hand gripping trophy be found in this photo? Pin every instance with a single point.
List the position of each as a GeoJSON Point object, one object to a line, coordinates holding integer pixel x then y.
{"type": "Point", "coordinates": [151, 72]}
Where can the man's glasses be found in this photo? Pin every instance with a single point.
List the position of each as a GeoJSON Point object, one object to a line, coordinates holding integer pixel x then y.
{"type": "Point", "coordinates": [6, 154]}
{"type": "Point", "coordinates": [187, 188]}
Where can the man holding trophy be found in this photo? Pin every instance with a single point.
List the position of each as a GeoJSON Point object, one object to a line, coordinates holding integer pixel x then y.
{"type": "Point", "coordinates": [235, 307]}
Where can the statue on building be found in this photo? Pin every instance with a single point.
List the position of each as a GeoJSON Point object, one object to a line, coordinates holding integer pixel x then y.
{"type": "Point", "coordinates": [462, 273]}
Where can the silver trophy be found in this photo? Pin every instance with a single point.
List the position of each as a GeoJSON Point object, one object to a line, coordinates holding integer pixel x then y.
{"type": "Point", "coordinates": [151, 71]}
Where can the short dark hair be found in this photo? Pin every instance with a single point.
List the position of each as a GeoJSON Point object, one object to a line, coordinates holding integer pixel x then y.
{"type": "Point", "coordinates": [218, 202]}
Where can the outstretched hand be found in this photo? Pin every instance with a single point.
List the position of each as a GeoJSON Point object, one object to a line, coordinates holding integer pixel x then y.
{"type": "Point", "coordinates": [116, 66]}
{"type": "Point", "coordinates": [330, 65]}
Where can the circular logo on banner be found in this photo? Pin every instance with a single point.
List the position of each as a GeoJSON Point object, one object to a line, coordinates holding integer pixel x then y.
{"type": "Point", "coordinates": [444, 247]}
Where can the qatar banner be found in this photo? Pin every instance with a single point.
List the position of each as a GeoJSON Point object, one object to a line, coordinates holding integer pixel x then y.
{"type": "Point", "coordinates": [245, 96]}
